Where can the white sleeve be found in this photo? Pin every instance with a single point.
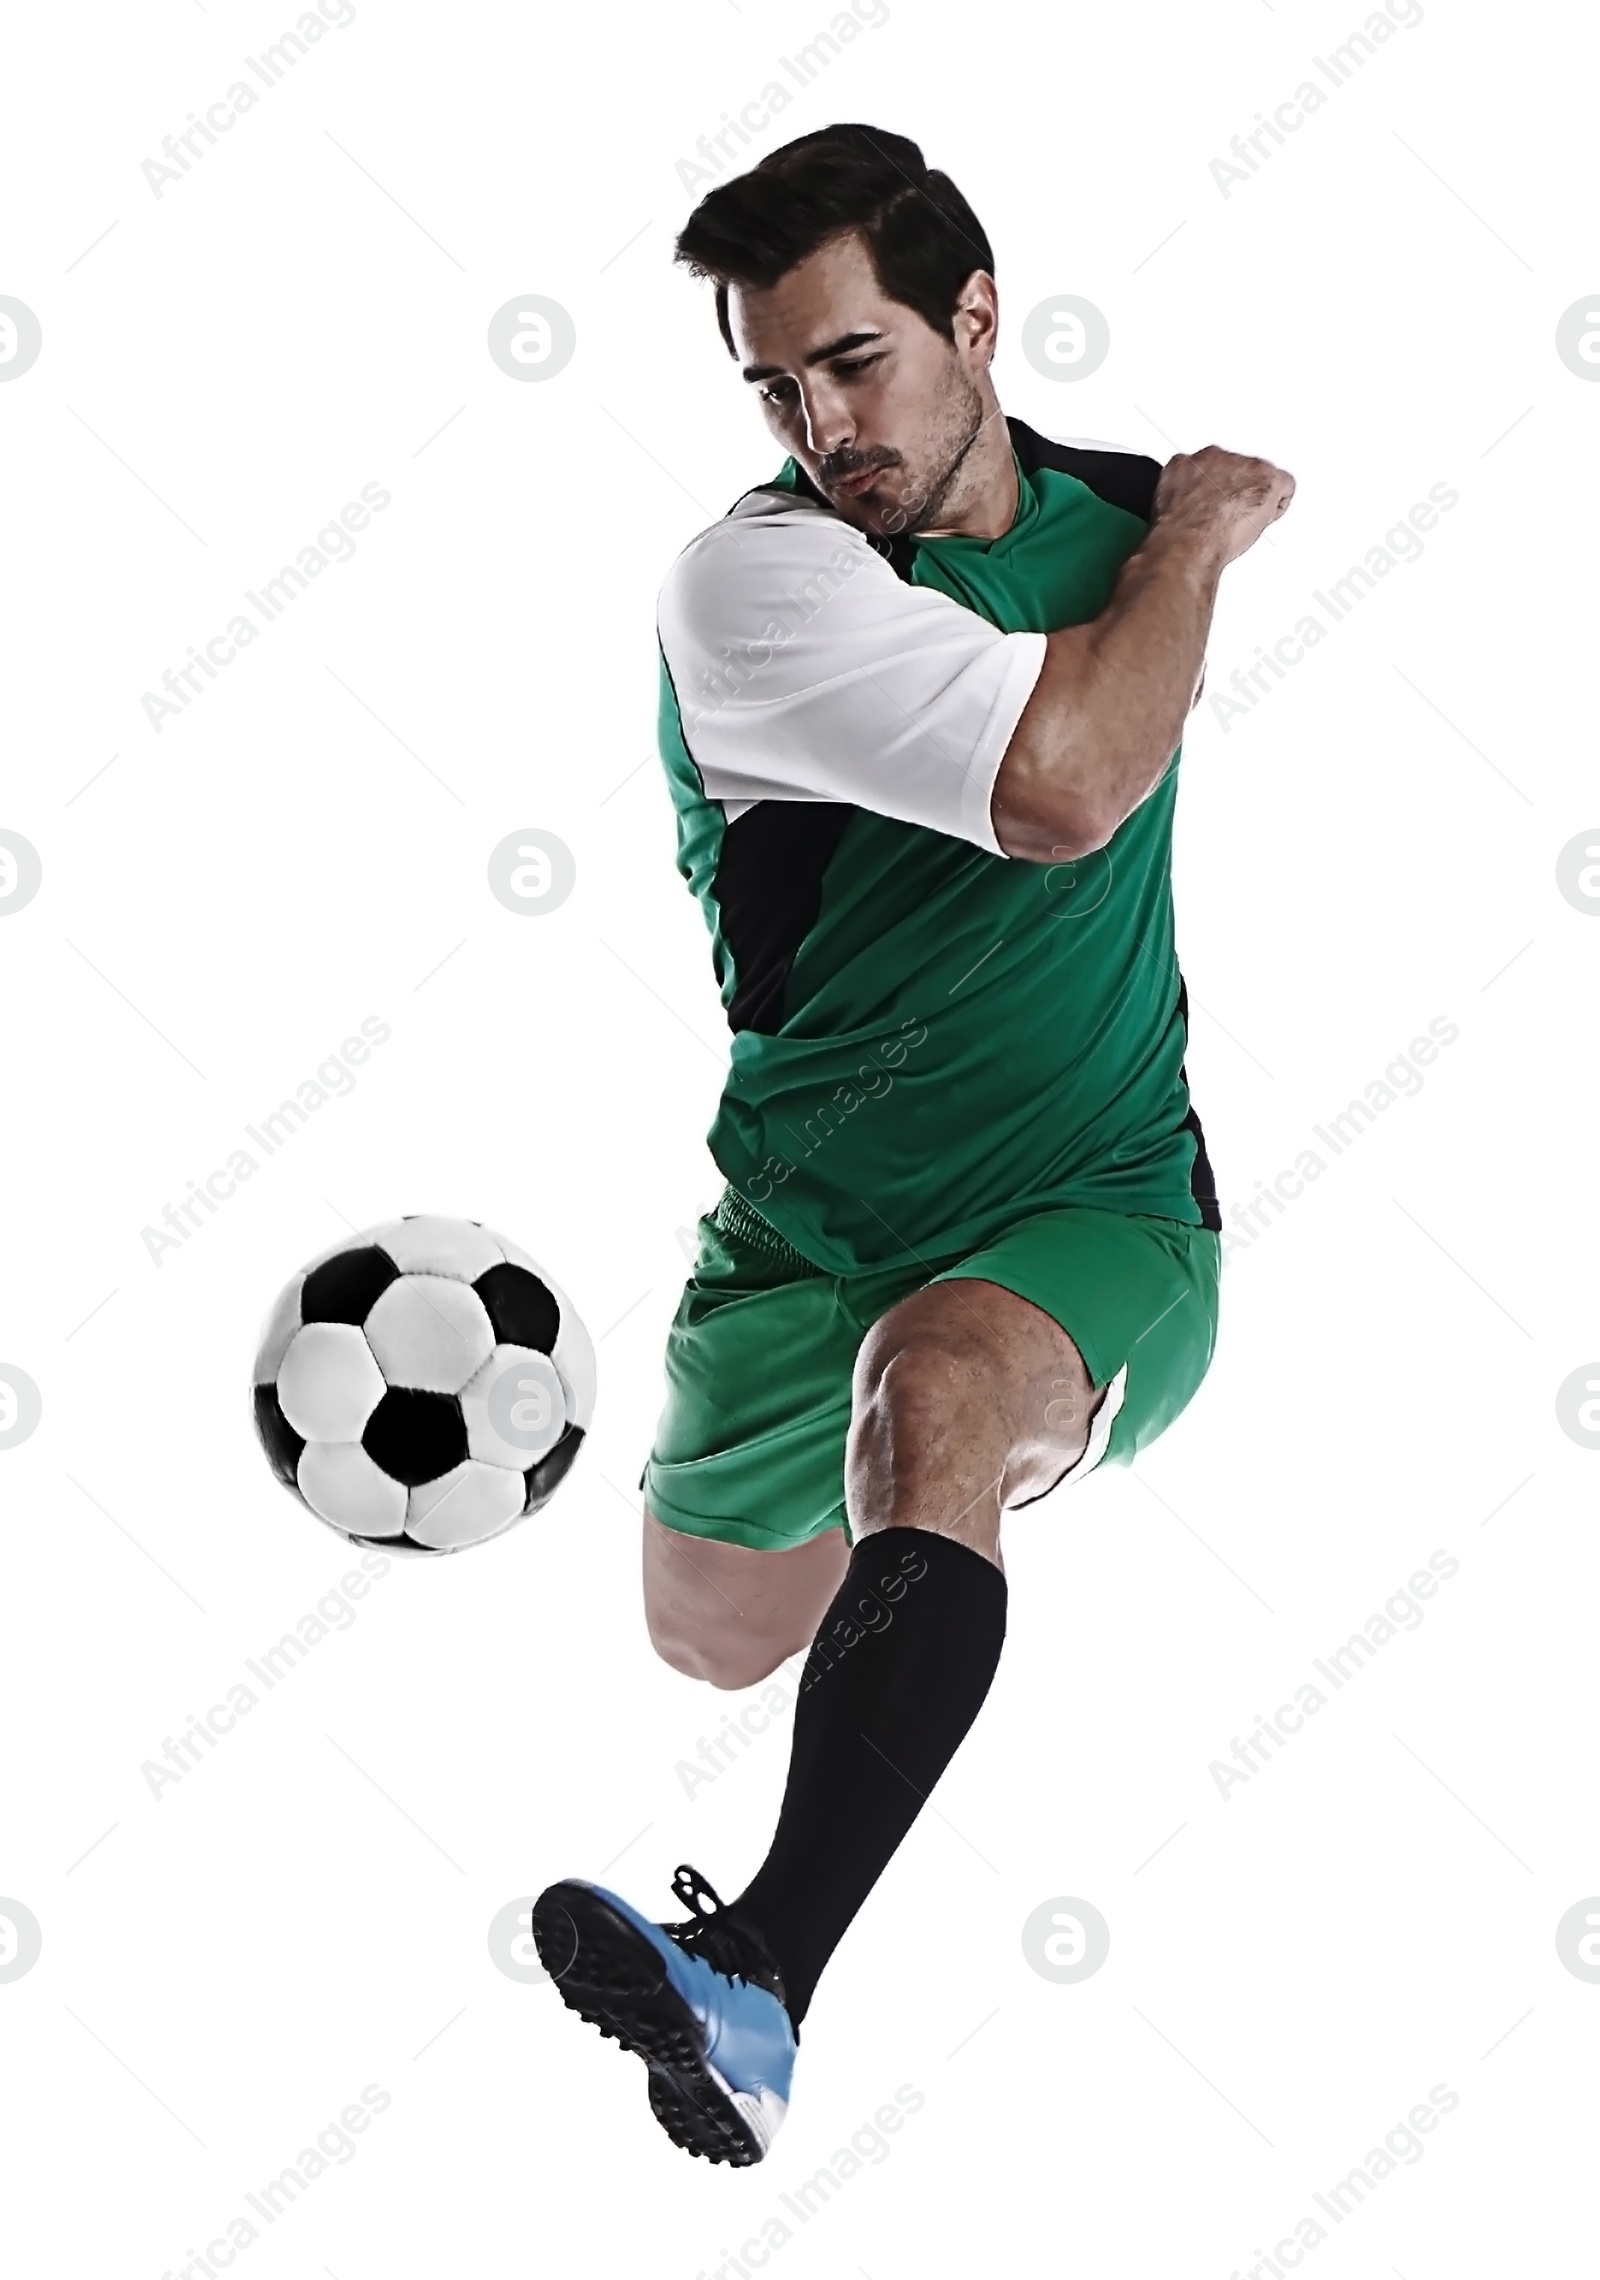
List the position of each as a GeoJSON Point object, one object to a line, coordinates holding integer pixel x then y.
{"type": "Point", "coordinates": [805, 669]}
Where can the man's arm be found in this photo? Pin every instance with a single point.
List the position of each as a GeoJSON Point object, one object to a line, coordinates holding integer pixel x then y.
{"type": "Point", "coordinates": [803, 668]}
{"type": "Point", "coordinates": [1107, 711]}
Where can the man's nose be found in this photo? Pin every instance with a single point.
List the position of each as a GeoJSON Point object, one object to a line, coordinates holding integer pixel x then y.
{"type": "Point", "coordinates": [830, 425]}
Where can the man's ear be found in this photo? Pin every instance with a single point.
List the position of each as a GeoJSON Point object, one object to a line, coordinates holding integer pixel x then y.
{"type": "Point", "coordinates": [978, 303]}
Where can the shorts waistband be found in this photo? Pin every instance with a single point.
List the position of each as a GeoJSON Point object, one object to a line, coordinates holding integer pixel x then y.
{"type": "Point", "coordinates": [733, 1216]}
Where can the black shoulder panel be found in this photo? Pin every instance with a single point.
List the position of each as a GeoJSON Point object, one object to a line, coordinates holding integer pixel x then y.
{"type": "Point", "coordinates": [1122, 478]}
{"type": "Point", "coordinates": [769, 889]}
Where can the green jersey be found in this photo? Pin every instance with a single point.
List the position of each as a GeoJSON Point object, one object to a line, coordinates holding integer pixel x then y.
{"type": "Point", "coordinates": [930, 1041]}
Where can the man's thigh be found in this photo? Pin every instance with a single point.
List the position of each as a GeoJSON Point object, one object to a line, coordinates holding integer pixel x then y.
{"type": "Point", "coordinates": [750, 1453]}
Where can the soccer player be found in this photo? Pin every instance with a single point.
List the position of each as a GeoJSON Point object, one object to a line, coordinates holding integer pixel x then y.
{"type": "Point", "coordinates": [921, 703]}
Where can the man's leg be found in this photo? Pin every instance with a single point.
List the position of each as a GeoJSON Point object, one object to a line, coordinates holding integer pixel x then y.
{"type": "Point", "coordinates": [730, 1614]}
{"type": "Point", "coordinates": [966, 1399]}
{"type": "Point", "coordinates": [944, 1405]}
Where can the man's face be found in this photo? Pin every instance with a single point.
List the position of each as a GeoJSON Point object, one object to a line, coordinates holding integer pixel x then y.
{"type": "Point", "coordinates": [878, 408]}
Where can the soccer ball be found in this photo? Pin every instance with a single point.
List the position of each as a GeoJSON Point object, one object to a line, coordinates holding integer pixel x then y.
{"type": "Point", "coordinates": [423, 1386]}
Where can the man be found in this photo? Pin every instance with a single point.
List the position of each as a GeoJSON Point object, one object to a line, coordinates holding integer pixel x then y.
{"type": "Point", "coordinates": [921, 708]}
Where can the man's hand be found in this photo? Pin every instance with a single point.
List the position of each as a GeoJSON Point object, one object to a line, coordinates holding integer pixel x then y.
{"type": "Point", "coordinates": [1222, 495]}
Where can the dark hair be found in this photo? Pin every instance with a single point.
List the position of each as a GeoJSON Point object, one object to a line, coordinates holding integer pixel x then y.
{"type": "Point", "coordinates": [923, 238]}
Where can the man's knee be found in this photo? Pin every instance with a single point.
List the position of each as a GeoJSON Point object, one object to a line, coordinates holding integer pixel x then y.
{"type": "Point", "coordinates": [729, 1615]}
{"type": "Point", "coordinates": [927, 1445]}
{"type": "Point", "coordinates": [921, 1369]}
{"type": "Point", "coordinates": [933, 1396]}
{"type": "Point", "coordinates": [975, 1355]}
{"type": "Point", "coordinates": [966, 1399]}
{"type": "Point", "coordinates": [708, 1653]}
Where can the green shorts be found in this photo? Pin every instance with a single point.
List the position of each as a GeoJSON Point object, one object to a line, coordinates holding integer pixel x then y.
{"type": "Point", "coordinates": [750, 1447]}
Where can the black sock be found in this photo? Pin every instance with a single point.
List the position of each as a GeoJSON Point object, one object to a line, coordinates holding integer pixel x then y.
{"type": "Point", "coordinates": [896, 1674]}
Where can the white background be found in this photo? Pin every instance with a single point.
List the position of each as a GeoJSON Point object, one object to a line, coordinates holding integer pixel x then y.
{"type": "Point", "coordinates": [305, 1913]}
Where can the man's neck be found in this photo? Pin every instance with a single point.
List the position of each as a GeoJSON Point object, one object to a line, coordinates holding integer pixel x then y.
{"type": "Point", "coordinates": [986, 497]}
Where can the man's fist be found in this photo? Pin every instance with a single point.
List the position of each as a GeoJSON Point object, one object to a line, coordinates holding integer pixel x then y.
{"type": "Point", "coordinates": [1228, 497]}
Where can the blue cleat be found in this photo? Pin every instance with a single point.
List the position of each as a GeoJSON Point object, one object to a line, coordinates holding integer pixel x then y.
{"type": "Point", "coordinates": [700, 2002]}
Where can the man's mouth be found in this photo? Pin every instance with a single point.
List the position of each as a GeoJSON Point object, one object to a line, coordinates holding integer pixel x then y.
{"type": "Point", "coordinates": [852, 485]}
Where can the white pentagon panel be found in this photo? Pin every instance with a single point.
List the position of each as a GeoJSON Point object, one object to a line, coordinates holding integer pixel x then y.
{"type": "Point", "coordinates": [429, 1332]}
{"type": "Point", "coordinates": [520, 1391]}
{"type": "Point", "coordinates": [342, 1485]}
{"type": "Point", "coordinates": [328, 1382]}
{"type": "Point", "coordinates": [574, 1361]}
{"type": "Point", "coordinates": [428, 1245]}
{"type": "Point", "coordinates": [279, 1327]}
{"type": "Point", "coordinates": [465, 1506]}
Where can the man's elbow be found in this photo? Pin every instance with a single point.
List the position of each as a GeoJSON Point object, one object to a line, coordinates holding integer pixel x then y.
{"type": "Point", "coordinates": [1046, 834]}
{"type": "Point", "coordinates": [1052, 802]}
{"type": "Point", "coordinates": [1057, 809]}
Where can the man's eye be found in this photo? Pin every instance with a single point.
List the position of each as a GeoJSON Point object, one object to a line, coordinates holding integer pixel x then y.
{"type": "Point", "coordinates": [778, 392]}
{"type": "Point", "coordinates": [856, 364]}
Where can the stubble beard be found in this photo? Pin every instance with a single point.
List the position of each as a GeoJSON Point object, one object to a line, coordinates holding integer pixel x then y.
{"type": "Point", "coordinates": [932, 492]}
{"type": "Point", "coordinates": [959, 429]}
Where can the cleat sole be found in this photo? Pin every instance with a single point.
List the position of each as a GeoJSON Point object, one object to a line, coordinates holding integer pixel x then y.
{"type": "Point", "coordinates": [606, 1971]}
